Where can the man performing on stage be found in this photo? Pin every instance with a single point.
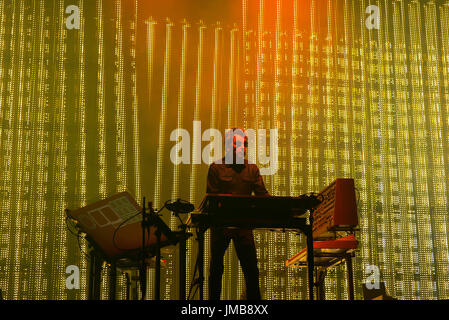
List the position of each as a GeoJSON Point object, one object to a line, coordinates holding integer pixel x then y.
{"type": "Point", "coordinates": [238, 178]}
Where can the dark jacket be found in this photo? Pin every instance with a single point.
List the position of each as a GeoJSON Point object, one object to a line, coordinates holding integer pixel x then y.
{"type": "Point", "coordinates": [238, 179]}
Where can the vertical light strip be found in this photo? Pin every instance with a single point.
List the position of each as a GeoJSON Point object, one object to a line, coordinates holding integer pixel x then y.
{"type": "Point", "coordinates": [82, 168]}
{"type": "Point", "coordinates": [135, 119]}
{"type": "Point", "coordinates": [216, 69]}
{"type": "Point", "coordinates": [176, 167]}
{"type": "Point", "coordinates": [150, 55]}
{"type": "Point", "coordinates": [249, 83]}
{"type": "Point", "coordinates": [295, 124]}
{"type": "Point", "coordinates": [312, 150]}
{"type": "Point", "coordinates": [195, 146]}
{"type": "Point", "coordinates": [312, 124]}
{"type": "Point", "coordinates": [437, 178]}
{"type": "Point", "coordinates": [346, 110]}
{"type": "Point", "coordinates": [358, 145]}
{"type": "Point", "coordinates": [196, 149]}
{"type": "Point", "coordinates": [228, 259]}
{"type": "Point", "coordinates": [150, 23]}
{"type": "Point", "coordinates": [240, 116]}
{"type": "Point", "coordinates": [382, 158]}
{"type": "Point", "coordinates": [367, 233]}
{"type": "Point", "coordinates": [444, 53]}
{"type": "Point", "coordinates": [246, 72]}
{"type": "Point", "coordinates": [180, 119]}
{"type": "Point", "coordinates": [163, 125]}
{"type": "Point", "coordinates": [7, 145]}
{"type": "Point", "coordinates": [18, 180]}
{"type": "Point", "coordinates": [295, 285]}
{"type": "Point", "coordinates": [353, 83]}
{"type": "Point", "coordinates": [180, 111]}
{"type": "Point", "coordinates": [101, 112]}
{"type": "Point", "coordinates": [406, 285]}
{"type": "Point", "coordinates": [121, 161]}
{"type": "Point", "coordinates": [331, 116]}
{"type": "Point", "coordinates": [9, 177]}
{"type": "Point", "coordinates": [444, 28]}
{"type": "Point", "coordinates": [278, 239]}
{"type": "Point", "coordinates": [231, 119]}
{"type": "Point", "coordinates": [163, 117]}
{"type": "Point", "coordinates": [41, 163]}
{"type": "Point", "coordinates": [121, 147]}
{"type": "Point", "coordinates": [260, 34]}
{"type": "Point", "coordinates": [2, 63]}
{"type": "Point", "coordinates": [259, 236]}
{"type": "Point", "coordinates": [396, 262]}
{"type": "Point", "coordinates": [330, 111]}
{"type": "Point", "coordinates": [82, 115]}
{"type": "Point", "coordinates": [374, 178]}
{"type": "Point", "coordinates": [236, 93]}
{"type": "Point", "coordinates": [412, 105]}
{"type": "Point", "coordinates": [29, 147]}
{"type": "Point", "coordinates": [57, 278]}
{"type": "Point", "coordinates": [277, 95]}
{"type": "Point", "coordinates": [135, 108]}
{"type": "Point", "coordinates": [420, 164]}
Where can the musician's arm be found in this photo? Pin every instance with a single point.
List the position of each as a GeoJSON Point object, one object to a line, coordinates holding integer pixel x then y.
{"type": "Point", "coordinates": [259, 186]}
{"type": "Point", "coordinates": [213, 185]}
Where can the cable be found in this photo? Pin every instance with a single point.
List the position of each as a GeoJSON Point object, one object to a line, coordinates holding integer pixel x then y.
{"type": "Point", "coordinates": [196, 289]}
{"type": "Point", "coordinates": [194, 282]}
{"type": "Point", "coordinates": [78, 238]}
{"type": "Point", "coordinates": [182, 222]}
{"type": "Point", "coordinates": [77, 235]}
{"type": "Point", "coordinates": [81, 250]}
{"type": "Point", "coordinates": [68, 228]}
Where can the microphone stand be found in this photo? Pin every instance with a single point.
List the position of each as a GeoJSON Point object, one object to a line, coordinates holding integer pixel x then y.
{"type": "Point", "coordinates": [143, 266]}
{"type": "Point", "coordinates": [200, 237]}
{"type": "Point", "coordinates": [182, 256]}
{"type": "Point", "coordinates": [148, 220]}
{"type": "Point", "coordinates": [157, 287]}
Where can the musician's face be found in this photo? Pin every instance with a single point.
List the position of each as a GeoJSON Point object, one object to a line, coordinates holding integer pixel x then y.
{"type": "Point", "coordinates": [239, 147]}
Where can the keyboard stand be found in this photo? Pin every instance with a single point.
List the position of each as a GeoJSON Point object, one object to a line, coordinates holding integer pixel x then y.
{"type": "Point", "coordinates": [303, 227]}
{"type": "Point", "coordinates": [336, 252]}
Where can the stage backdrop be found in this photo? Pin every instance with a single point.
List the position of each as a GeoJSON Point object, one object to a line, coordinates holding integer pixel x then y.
{"type": "Point", "coordinates": [356, 89]}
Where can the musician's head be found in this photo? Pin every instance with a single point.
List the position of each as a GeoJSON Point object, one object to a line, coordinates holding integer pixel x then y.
{"type": "Point", "coordinates": [236, 145]}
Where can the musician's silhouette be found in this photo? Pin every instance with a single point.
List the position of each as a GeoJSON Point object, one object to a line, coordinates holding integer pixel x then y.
{"type": "Point", "coordinates": [239, 178]}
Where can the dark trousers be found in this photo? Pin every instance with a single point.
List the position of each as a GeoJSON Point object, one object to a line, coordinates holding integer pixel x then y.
{"type": "Point", "coordinates": [246, 252]}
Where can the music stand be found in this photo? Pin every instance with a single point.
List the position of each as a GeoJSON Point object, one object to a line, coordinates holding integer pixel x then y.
{"type": "Point", "coordinates": [115, 230]}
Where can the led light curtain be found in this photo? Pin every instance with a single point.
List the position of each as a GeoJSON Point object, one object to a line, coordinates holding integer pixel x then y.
{"type": "Point", "coordinates": [88, 112]}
